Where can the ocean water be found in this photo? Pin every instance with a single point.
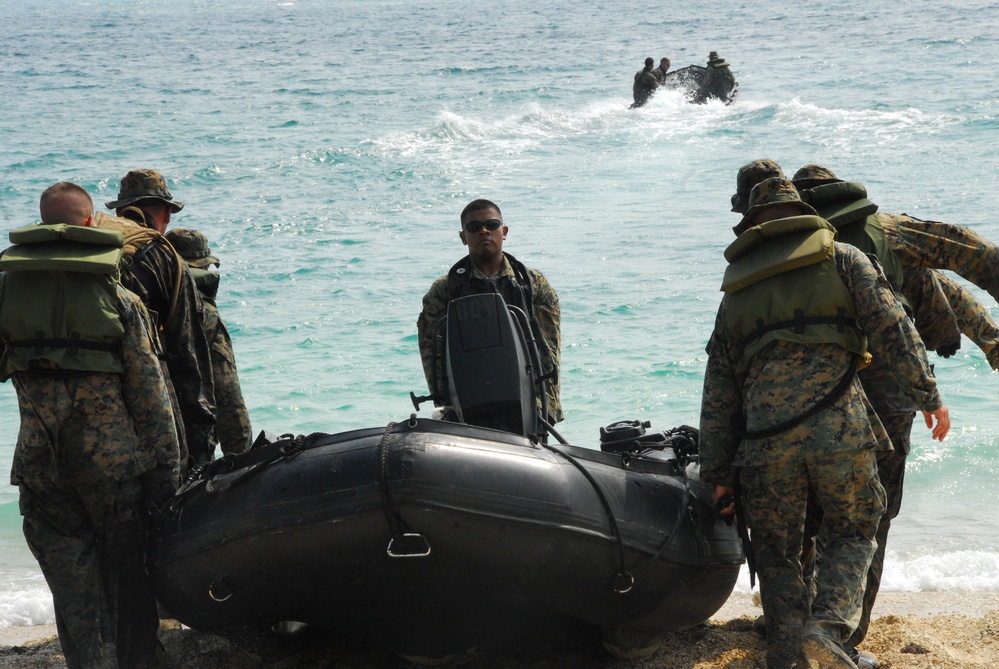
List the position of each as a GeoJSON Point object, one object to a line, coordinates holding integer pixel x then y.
{"type": "Point", "coordinates": [327, 148]}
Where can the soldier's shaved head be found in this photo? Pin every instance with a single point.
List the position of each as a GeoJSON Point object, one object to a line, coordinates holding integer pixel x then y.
{"type": "Point", "coordinates": [65, 202]}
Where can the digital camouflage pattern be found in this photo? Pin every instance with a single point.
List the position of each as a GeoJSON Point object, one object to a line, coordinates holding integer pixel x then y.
{"type": "Point", "coordinates": [139, 185]}
{"type": "Point", "coordinates": [193, 247]}
{"type": "Point", "coordinates": [232, 425]}
{"type": "Point", "coordinates": [232, 428]}
{"type": "Point", "coordinates": [90, 545]}
{"type": "Point", "coordinates": [936, 245]}
{"type": "Point", "coordinates": [833, 453]}
{"type": "Point", "coordinates": [547, 313]}
{"type": "Point", "coordinates": [774, 498]}
{"type": "Point", "coordinates": [91, 448]}
{"type": "Point", "coordinates": [154, 277]}
{"type": "Point", "coordinates": [97, 428]}
{"type": "Point", "coordinates": [749, 175]}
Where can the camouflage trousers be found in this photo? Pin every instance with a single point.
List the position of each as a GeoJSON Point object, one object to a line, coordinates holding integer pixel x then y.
{"type": "Point", "coordinates": [891, 474]}
{"type": "Point", "coordinates": [775, 498]}
{"type": "Point", "coordinates": [89, 543]}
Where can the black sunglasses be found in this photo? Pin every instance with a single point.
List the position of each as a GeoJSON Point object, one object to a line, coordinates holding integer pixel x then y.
{"type": "Point", "coordinates": [489, 224]}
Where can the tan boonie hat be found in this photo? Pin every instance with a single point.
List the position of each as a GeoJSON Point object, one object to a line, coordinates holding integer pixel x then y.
{"type": "Point", "coordinates": [192, 247]}
{"type": "Point", "coordinates": [144, 185]}
{"type": "Point", "coordinates": [749, 175]}
{"type": "Point", "coordinates": [770, 193]}
{"type": "Point", "coordinates": [810, 176]}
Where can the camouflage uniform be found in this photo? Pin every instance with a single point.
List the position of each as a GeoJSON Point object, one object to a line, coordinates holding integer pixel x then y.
{"type": "Point", "coordinates": [937, 245]}
{"type": "Point", "coordinates": [645, 85]}
{"type": "Point", "coordinates": [831, 455]}
{"type": "Point", "coordinates": [721, 81]}
{"type": "Point", "coordinates": [232, 424]}
{"type": "Point", "coordinates": [91, 450]}
{"type": "Point", "coordinates": [154, 274]}
{"type": "Point", "coordinates": [547, 313]}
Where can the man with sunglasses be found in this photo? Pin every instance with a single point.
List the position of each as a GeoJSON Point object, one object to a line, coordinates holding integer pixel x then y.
{"type": "Point", "coordinates": [487, 269]}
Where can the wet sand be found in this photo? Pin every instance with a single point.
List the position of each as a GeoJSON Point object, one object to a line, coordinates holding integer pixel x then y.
{"type": "Point", "coordinates": [942, 630]}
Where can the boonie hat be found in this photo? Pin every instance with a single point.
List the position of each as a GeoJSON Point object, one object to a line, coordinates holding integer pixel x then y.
{"type": "Point", "coordinates": [771, 193]}
{"type": "Point", "coordinates": [144, 185]}
{"type": "Point", "coordinates": [810, 176]}
{"type": "Point", "coordinates": [715, 59]}
{"type": "Point", "coordinates": [192, 247]}
{"type": "Point", "coordinates": [749, 175]}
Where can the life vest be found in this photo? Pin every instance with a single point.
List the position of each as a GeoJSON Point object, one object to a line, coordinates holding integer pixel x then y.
{"type": "Point", "coordinates": [782, 284]}
{"type": "Point", "coordinates": [60, 301]}
{"type": "Point", "coordinates": [845, 205]}
{"type": "Point", "coordinates": [139, 240]}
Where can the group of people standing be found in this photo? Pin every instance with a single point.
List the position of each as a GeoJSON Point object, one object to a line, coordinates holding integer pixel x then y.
{"type": "Point", "coordinates": [817, 364]}
{"type": "Point", "coordinates": [816, 367]}
{"type": "Point", "coordinates": [125, 378]}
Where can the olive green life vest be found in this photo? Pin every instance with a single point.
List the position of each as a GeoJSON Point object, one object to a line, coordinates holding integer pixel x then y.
{"type": "Point", "coordinates": [60, 301]}
{"type": "Point", "coordinates": [206, 281]}
{"type": "Point", "coordinates": [845, 205]}
{"type": "Point", "coordinates": [782, 284]}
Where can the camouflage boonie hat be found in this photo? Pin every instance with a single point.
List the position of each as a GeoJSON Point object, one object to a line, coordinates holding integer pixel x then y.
{"type": "Point", "coordinates": [144, 185]}
{"type": "Point", "coordinates": [811, 176]}
{"type": "Point", "coordinates": [192, 247]}
{"type": "Point", "coordinates": [749, 175]}
{"type": "Point", "coordinates": [771, 193]}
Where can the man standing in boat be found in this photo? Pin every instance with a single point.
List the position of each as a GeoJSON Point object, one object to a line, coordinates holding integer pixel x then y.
{"type": "Point", "coordinates": [645, 84]}
{"type": "Point", "coordinates": [783, 415]}
{"type": "Point", "coordinates": [487, 269]}
{"type": "Point", "coordinates": [97, 442]}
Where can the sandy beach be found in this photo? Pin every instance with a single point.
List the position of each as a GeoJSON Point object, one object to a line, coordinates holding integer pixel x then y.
{"type": "Point", "coordinates": [942, 630]}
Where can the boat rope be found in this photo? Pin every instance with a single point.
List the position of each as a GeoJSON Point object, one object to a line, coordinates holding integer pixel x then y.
{"type": "Point", "coordinates": [623, 580]}
{"type": "Point", "coordinates": [402, 543]}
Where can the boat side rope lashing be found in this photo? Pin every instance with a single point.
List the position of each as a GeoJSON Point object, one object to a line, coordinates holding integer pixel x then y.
{"type": "Point", "coordinates": [402, 543]}
{"type": "Point", "coordinates": [623, 580]}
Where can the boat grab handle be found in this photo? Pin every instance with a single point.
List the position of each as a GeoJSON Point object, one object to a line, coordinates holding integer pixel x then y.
{"type": "Point", "coordinates": [623, 582]}
{"type": "Point", "coordinates": [411, 544]}
{"type": "Point", "coordinates": [220, 590]}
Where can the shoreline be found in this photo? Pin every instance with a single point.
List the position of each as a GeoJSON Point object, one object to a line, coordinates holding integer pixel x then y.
{"type": "Point", "coordinates": [910, 630]}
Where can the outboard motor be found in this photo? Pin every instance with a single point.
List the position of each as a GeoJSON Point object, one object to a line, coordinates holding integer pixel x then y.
{"type": "Point", "coordinates": [490, 372]}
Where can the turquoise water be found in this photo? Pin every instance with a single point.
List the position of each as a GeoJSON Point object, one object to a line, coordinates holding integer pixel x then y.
{"type": "Point", "coordinates": [327, 148]}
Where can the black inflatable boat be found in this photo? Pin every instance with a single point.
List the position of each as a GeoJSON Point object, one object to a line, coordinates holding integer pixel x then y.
{"type": "Point", "coordinates": [433, 539]}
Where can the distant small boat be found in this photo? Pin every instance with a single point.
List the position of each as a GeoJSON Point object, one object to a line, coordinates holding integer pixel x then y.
{"type": "Point", "coordinates": [701, 84]}
{"type": "Point", "coordinates": [437, 539]}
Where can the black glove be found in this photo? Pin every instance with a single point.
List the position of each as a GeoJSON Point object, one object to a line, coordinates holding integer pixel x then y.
{"type": "Point", "coordinates": [948, 350]}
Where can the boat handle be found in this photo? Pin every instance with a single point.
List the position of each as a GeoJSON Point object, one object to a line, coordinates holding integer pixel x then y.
{"type": "Point", "coordinates": [623, 582]}
{"type": "Point", "coordinates": [413, 545]}
{"type": "Point", "coordinates": [220, 590]}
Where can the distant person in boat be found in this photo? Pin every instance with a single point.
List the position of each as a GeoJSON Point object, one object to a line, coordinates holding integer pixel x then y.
{"type": "Point", "coordinates": [488, 269]}
{"type": "Point", "coordinates": [661, 70]}
{"type": "Point", "coordinates": [645, 84]}
{"type": "Point", "coordinates": [720, 80]}
{"type": "Point", "coordinates": [159, 276]}
{"type": "Point", "coordinates": [97, 445]}
{"type": "Point", "coordinates": [232, 429]}
{"type": "Point", "coordinates": [784, 417]}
